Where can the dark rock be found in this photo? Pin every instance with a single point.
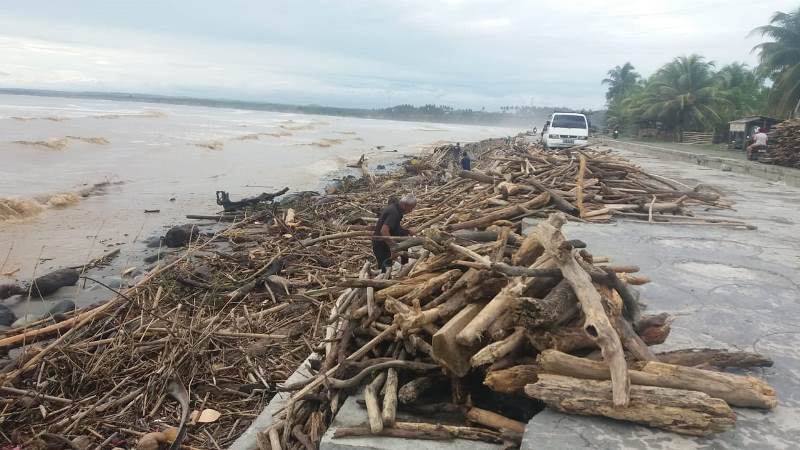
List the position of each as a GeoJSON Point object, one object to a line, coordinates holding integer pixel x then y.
{"type": "Point", "coordinates": [53, 281]}
{"type": "Point", "coordinates": [10, 290]}
{"type": "Point", "coordinates": [180, 235]}
{"type": "Point", "coordinates": [7, 316]}
{"type": "Point", "coordinates": [380, 167]}
{"type": "Point", "coordinates": [62, 307]}
{"type": "Point", "coordinates": [151, 259]}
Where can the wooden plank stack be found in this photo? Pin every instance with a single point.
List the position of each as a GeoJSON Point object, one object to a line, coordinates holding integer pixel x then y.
{"type": "Point", "coordinates": [784, 144]}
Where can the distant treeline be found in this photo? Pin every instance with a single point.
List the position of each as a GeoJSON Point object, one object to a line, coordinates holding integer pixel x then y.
{"type": "Point", "coordinates": [521, 116]}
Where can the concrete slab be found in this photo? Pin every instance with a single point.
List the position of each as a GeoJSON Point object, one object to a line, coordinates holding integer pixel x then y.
{"type": "Point", "coordinates": [735, 289]}
{"type": "Point", "coordinates": [351, 414]}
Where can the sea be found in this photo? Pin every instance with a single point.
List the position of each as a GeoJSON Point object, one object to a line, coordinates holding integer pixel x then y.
{"type": "Point", "coordinates": [77, 175]}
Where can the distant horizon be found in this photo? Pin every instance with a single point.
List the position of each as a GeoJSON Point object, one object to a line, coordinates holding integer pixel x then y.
{"type": "Point", "coordinates": [530, 117]}
{"type": "Point", "coordinates": [143, 95]}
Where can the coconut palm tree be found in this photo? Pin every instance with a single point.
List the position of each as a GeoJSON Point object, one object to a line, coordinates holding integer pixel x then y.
{"type": "Point", "coordinates": [780, 60]}
{"type": "Point", "coordinates": [683, 94]}
{"type": "Point", "coordinates": [743, 87]}
{"type": "Point", "coordinates": [621, 79]}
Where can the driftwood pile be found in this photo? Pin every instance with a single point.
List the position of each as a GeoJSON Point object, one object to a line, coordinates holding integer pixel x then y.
{"type": "Point", "coordinates": [784, 144]}
{"type": "Point", "coordinates": [191, 354]}
{"type": "Point", "coordinates": [537, 316]}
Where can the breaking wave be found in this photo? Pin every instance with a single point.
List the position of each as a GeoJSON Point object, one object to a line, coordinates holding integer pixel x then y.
{"type": "Point", "coordinates": [257, 136]}
{"type": "Point", "coordinates": [211, 145]}
{"type": "Point", "coordinates": [24, 208]}
{"type": "Point", "coordinates": [147, 114]}
{"type": "Point", "coordinates": [50, 118]}
{"type": "Point", "coordinates": [63, 143]}
{"type": "Point", "coordinates": [326, 142]}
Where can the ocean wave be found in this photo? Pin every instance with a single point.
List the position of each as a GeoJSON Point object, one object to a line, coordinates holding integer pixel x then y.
{"type": "Point", "coordinates": [50, 118]}
{"type": "Point", "coordinates": [147, 114]}
{"type": "Point", "coordinates": [14, 209]}
{"type": "Point", "coordinates": [211, 145]}
{"type": "Point", "coordinates": [257, 136]}
{"type": "Point", "coordinates": [326, 142]}
{"type": "Point", "coordinates": [63, 143]}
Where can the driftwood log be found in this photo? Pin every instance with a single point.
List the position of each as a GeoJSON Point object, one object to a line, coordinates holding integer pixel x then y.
{"type": "Point", "coordinates": [596, 323]}
{"type": "Point", "coordinates": [681, 411]}
{"type": "Point", "coordinates": [737, 390]}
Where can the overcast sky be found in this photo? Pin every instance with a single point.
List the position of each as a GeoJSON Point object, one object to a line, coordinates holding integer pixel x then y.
{"type": "Point", "coordinates": [366, 53]}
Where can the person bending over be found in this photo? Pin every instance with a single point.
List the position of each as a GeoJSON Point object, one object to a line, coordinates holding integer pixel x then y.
{"type": "Point", "coordinates": [389, 225]}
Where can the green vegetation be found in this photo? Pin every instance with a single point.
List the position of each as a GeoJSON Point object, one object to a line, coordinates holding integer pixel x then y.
{"type": "Point", "coordinates": [779, 59]}
{"type": "Point", "coordinates": [689, 93]}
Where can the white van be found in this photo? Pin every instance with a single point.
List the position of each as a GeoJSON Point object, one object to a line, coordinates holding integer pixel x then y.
{"type": "Point", "coordinates": [565, 130]}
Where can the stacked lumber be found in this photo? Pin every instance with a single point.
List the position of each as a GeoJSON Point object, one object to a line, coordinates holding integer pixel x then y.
{"type": "Point", "coordinates": [212, 332]}
{"type": "Point", "coordinates": [784, 144]}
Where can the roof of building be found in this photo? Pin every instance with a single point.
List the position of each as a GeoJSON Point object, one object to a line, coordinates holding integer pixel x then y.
{"type": "Point", "coordinates": [755, 119]}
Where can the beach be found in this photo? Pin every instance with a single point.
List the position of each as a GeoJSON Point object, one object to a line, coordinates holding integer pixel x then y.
{"type": "Point", "coordinates": [78, 174]}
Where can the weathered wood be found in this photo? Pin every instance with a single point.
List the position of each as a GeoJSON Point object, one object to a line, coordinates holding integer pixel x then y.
{"type": "Point", "coordinates": [654, 329]}
{"type": "Point", "coordinates": [411, 391]}
{"type": "Point", "coordinates": [389, 411]}
{"type": "Point", "coordinates": [400, 289]}
{"type": "Point", "coordinates": [446, 350]}
{"type": "Point", "coordinates": [512, 380]}
{"type": "Point", "coordinates": [720, 358]}
{"type": "Point", "coordinates": [557, 308]}
{"type": "Point", "coordinates": [596, 323]}
{"type": "Point", "coordinates": [472, 333]}
{"type": "Point", "coordinates": [374, 416]}
{"type": "Point", "coordinates": [496, 350]}
{"type": "Point", "coordinates": [493, 420]}
{"type": "Point", "coordinates": [737, 390]}
{"type": "Point", "coordinates": [528, 251]}
{"type": "Point", "coordinates": [432, 285]}
{"type": "Point", "coordinates": [504, 213]}
{"type": "Point", "coordinates": [558, 201]}
{"type": "Point", "coordinates": [681, 411]}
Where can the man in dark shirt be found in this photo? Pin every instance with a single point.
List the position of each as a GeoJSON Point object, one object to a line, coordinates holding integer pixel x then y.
{"type": "Point", "coordinates": [389, 225]}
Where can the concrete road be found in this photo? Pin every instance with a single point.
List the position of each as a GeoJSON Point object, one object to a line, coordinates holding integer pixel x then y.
{"type": "Point", "coordinates": [734, 289]}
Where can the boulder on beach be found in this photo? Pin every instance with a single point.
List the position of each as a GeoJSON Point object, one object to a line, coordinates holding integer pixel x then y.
{"type": "Point", "coordinates": [180, 235]}
{"type": "Point", "coordinates": [10, 290]}
{"type": "Point", "coordinates": [7, 316]}
{"type": "Point", "coordinates": [53, 281]}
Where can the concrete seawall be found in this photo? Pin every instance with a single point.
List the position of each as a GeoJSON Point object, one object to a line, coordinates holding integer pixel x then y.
{"type": "Point", "coordinates": [773, 173]}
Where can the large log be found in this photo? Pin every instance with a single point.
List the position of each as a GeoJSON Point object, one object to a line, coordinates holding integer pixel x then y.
{"type": "Point", "coordinates": [453, 356]}
{"type": "Point", "coordinates": [737, 390]}
{"type": "Point", "coordinates": [504, 213]}
{"type": "Point", "coordinates": [685, 412]}
{"type": "Point", "coordinates": [596, 323]}
{"type": "Point", "coordinates": [557, 308]}
{"type": "Point", "coordinates": [502, 302]}
{"type": "Point", "coordinates": [512, 380]}
{"type": "Point", "coordinates": [720, 358]}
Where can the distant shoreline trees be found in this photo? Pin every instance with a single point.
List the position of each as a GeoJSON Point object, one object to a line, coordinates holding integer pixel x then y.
{"type": "Point", "coordinates": [689, 93]}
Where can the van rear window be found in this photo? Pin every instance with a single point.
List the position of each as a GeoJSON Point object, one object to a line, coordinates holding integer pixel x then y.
{"type": "Point", "coordinates": [569, 122]}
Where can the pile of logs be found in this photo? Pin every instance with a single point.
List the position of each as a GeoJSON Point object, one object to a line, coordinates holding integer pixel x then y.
{"type": "Point", "coordinates": [537, 316]}
{"type": "Point", "coordinates": [588, 184]}
{"type": "Point", "coordinates": [784, 144]}
{"type": "Point", "coordinates": [231, 317]}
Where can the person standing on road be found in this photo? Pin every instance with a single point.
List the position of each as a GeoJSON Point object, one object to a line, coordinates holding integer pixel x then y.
{"type": "Point", "coordinates": [389, 225]}
{"type": "Point", "coordinates": [759, 143]}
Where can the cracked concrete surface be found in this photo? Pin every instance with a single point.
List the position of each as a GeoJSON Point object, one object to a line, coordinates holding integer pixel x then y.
{"type": "Point", "coordinates": [728, 288]}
